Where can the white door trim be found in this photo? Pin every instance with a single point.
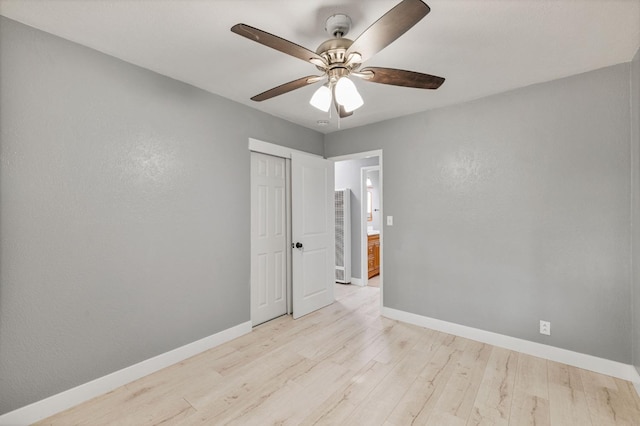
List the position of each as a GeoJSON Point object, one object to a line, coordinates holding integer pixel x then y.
{"type": "Point", "coordinates": [275, 150]}
{"type": "Point", "coordinates": [358, 156]}
{"type": "Point", "coordinates": [287, 164]}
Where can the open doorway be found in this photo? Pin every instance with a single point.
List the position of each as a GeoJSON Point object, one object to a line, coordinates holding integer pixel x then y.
{"type": "Point", "coordinates": [355, 171]}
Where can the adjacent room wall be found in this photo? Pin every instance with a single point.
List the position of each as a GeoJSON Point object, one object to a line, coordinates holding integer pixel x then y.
{"type": "Point", "coordinates": [374, 175]}
{"type": "Point", "coordinates": [124, 213]}
{"type": "Point", "coordinates": [513, 209]}
{"type": "Point", "coordinates": [347, 175]}
{"type": "Point", "coordinates": [635, 219]}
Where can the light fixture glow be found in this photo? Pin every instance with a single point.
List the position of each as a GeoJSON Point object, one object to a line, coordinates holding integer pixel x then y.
{"type": "Point", "coordinates": [321, 99]}
{"type": "Point", "coordinates": [347, 95]}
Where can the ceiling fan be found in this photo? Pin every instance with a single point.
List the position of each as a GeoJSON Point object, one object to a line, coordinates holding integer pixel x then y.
{"type": "Point", "coordinates": [339, 58]}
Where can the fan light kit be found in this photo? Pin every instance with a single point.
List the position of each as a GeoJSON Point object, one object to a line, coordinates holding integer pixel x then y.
{"type": "Point", "coordinates": [340, 58]}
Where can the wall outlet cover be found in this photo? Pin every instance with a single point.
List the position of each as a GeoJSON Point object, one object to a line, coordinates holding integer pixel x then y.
{"type": "Point", "coordinates": [545, 328]}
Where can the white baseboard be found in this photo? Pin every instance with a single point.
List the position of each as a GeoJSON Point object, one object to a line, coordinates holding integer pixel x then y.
{"type": "Point", "coordinates": [576, 359]}
{"type": "Point", "coordinates": [69, 398]}
{"type": "Point", "coordinates": [357, 281]}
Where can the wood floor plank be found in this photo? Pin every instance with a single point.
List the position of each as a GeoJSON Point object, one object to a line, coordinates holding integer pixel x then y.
{"type": "Point", "coordinates": [425, 348]}
{"type": "Point", "coordinates": [458, 398]}
{"type": "Point", "coordinates": [343, 401]}
{"type": "Point", "coordinates": [345, 364]}
{"type": "Point", "coordinates": [402, 340]}
{"type": "Point", "coordinates": [123, 406]}
{"type": "Point", "coordinates": [567, 399]}
{"type": "Point", "coordinates": [495, 395]}
{"type": "Point", "coordinates": [384, 397]}
{"type": "Point", "coordinates": [530, 404]}
{"type": "Point", "coordinates": [245, 389]}
{"type": "Point", "coordinates": [325, 342]}
{"type": "Point", "coordinates": [609, 404]}
{"type": "Point", "coordinates": [362, 348]}
{"type": "Point", "coordinates": [416, 405]}
{"type": "Point", "coordinates": [307, 390]}
{"type": "Point", "coordinates": [529, 410]}
{"type": "Point", "coordinates": [629, 397]}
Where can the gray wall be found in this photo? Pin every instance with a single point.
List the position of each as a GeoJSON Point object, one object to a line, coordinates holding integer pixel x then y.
{"type": "Point", "coordinates": [347, 175]}
{"type": "Point", "coordinates": [512, 209]}
{"type": "Point", "coordinates": [124, 213]}
{"type": "Point", "coordinates": [635, 220]}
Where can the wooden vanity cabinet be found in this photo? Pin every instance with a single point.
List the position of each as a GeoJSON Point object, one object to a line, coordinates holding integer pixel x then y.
{"type": "Point", "coordinates": [374, 255]}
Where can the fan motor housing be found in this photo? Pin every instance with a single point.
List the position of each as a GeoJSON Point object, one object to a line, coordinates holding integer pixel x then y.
{"type": "Point", "coordinates": [333, 50]}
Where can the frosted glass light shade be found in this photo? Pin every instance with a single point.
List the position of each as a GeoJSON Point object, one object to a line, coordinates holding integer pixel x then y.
{"type": "Point", "coordinates": [321, 99]}
{"type": "Point", "coordinates": [347, 95]}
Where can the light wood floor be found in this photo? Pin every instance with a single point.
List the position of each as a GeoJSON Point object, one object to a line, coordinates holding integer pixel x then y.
{"type": "Point", "coordinates": [374, 281]}
{"type": "Point", "coordinates": [345, 364]}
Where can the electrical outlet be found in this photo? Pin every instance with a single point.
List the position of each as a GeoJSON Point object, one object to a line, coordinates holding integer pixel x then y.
{"type": "Point", "coordinates": [545, 327]}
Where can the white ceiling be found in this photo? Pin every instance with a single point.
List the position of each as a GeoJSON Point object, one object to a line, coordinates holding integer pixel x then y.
{"type": "Point", "coordinates": [481, 47]}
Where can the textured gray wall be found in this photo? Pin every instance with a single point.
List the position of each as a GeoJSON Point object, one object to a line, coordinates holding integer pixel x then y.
{"type": "Point", "coordinates": [124, 213]}
{"type": "Point", "coordinates": [348, 176]}
{"type": "Point", "coordinates": [512, 209]}
{"type": "Point", "coordinates": [635, 220]}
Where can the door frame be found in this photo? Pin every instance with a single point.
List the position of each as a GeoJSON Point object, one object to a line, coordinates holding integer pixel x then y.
{"type": "Point", "coordinates": [256, 145]}
{"type": "Point", "coordinates": [363, 232]}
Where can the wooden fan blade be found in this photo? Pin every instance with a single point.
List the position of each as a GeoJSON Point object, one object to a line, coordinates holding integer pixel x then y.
{"type": "Point", "coordinates": [388, 28]}
{"type": "Point", "coordinates": [400, 78]}
{"type": "Point", "coordinates": [278, 43]}
{"type": "Point", "coordinates": [287, 87]}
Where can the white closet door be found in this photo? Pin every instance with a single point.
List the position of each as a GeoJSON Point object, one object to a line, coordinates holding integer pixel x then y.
{"type": "Point", "coordinates": [268, 238]}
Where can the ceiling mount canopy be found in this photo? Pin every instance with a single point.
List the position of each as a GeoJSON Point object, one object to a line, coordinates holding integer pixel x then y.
{"type": "Point", "coordinates": [340, 58]}
{"type": "Point", "coordinates": [338, 25]}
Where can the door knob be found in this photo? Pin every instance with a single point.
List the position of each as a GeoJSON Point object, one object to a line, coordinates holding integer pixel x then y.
{"type": "Point", "coordinates": [298, 245]}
